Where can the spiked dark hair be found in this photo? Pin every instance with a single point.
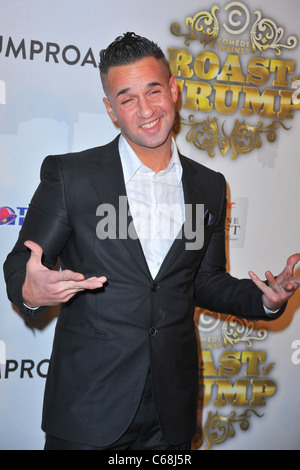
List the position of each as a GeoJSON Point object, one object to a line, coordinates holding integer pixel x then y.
{"type": "Point", "coordinates": [125, 50]}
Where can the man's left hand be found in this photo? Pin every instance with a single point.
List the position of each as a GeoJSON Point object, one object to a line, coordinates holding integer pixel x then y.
{"type": "Point", "coordinates": [279, 289]}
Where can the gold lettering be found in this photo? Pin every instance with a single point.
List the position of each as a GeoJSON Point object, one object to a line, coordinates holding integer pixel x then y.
{"type": "Point", "coordinates": [227, 392]}
{"type": "Point", "coordinates": [258, 72]}
{"type": "Point", "coordinates": [179, 62]}
{"type": "Point", "coordinates": [244, 391]}
{"type": "Point", "coordinates": [230, 363]}
{"type": "Point", "coordinates": [262, 389]}
{"type": "Point", "coordinates": [283, 67]}
{"type": "Point", "coordinates": [232, 70]}
{"type": "Point", "coordinates": [223, 91]}
{"type": "Point", "coordinates": [262, 104]}
{"type": "Point", "coordinates": [197, 94]}
{"type": "Point", "coordinates": [206, 65]}
{"type": "Point", "coordinates": [253, 358]}
{"type": "Point", "coordinates": [286, 104]}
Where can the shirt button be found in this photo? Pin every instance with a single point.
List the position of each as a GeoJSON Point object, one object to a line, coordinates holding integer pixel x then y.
{"type": "Point", "coordinates": [153, 331]}
{"type": "Point", "coordinates": [155, 287]}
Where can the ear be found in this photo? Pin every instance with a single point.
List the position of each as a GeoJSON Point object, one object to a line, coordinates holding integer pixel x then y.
{"type": "Point", "coordinates": [109, 110]}
{"type": "Point", "coordinates": [174, 88]}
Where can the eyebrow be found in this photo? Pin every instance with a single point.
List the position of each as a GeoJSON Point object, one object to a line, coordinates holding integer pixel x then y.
{"type": "Point", "coordinates": [123, 92]}
{"type": "Point", "coordinates": [149, 85]}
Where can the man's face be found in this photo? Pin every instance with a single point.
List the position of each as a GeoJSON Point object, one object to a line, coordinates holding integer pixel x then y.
{"type": "Point", "coordinates": [141, 98]}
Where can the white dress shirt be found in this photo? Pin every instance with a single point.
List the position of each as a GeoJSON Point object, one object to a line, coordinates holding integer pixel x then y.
{"type": "Point", "coordinates": [156, 203]}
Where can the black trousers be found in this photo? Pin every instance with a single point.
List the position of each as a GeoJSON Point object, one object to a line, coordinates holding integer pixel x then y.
{"type": "Point", "coordinates": [144, 433]}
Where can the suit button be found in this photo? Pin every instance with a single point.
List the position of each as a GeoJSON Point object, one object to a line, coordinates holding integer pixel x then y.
{"type": "Point", "coordinates": [153, 331]}
{"type": "Point", "coordinates": [155, 287]}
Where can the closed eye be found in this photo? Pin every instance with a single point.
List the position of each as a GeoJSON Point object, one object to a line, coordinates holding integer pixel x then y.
{"type": "Point", "coordinates": [126, 101]}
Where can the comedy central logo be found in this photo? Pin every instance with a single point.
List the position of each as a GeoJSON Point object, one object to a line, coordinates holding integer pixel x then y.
{"type": "Point", "coordinates": [238, 71]}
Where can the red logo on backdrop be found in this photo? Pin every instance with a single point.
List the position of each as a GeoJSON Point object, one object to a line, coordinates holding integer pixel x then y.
{"type": "Point", "coordinates": [7, 215]}
{"type": "Point", "coordinates": [12, 217]}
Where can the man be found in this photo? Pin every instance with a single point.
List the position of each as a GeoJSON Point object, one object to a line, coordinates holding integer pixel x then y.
{"type": "Point", "coordinates": [123, 372]}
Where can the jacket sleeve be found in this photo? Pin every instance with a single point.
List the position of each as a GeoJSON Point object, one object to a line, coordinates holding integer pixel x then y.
{"type": "Point", "coordinates": [46, 223]}
{"type": "Point", "coordinates": [218, 291]}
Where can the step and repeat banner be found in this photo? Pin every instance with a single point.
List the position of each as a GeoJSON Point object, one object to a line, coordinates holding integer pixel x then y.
{"type": "Point", "coordinates": [237, 65]}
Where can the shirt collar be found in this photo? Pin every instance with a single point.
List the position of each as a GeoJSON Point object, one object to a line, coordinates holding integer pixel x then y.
{"type": "Point", "coordinates": [131, 163]}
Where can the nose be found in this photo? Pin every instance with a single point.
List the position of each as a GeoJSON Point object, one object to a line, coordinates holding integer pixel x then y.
{"type": "Point", "coordinates": [146, 109]}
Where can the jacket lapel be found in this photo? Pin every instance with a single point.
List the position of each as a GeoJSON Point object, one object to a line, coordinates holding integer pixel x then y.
{"type": "Point", "coordinates": [108, 181]}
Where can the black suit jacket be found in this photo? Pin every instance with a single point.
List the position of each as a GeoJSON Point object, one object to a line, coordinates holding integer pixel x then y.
{"type": "Point", "coordinates": [106, 341]}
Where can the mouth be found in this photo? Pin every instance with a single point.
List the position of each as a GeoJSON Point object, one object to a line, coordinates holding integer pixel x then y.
{"type": "Point", "coordinates": [150, 124]}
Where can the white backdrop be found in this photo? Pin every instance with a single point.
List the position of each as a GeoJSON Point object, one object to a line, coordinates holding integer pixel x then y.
{"type": "Point", "coordinates": [51, 102]}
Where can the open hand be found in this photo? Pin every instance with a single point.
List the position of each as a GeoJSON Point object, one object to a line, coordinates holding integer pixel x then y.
{"type": "Point", "coordinates": [44, 287]}
{"type": "Point", "coordinates": [281, 288]}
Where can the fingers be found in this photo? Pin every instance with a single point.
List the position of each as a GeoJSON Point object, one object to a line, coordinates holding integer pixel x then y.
{"type": "Point", "coordinates": [291, 263]}
{"type": "Point", "coordinates": [68, 275]}
{"type": "Point", "coordinates": [87, 284]}
{"type": "Point", "coordinates": [273, 284]}
{"type": "Point", "coordinates": [289, 287]}
{"type": "Point", "coordinates": [291, 284]}
{"type": "Point", "coordinates": [53, 289]}
{"type": "Point", "coordinates": [65, 284]}
{"type": "Point", "coordinates": [294, 259]}
{"type": "Point", "coordinates": [277, 287]}
{"type": "Point", "coordinates": [72, 280]}
{"type": "Point", "coordinates": [258, 282]}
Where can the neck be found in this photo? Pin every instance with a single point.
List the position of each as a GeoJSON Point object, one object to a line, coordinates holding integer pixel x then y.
{"type": "Point", "coordinates": [157, 158]}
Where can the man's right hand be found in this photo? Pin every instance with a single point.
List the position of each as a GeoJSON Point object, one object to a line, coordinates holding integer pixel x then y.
{"type": "Point", "coordinates": [44, 287]}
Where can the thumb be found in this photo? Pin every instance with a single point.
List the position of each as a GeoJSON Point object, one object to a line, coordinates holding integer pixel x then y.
{"type": "Point", "coordinates": [36, 251]}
